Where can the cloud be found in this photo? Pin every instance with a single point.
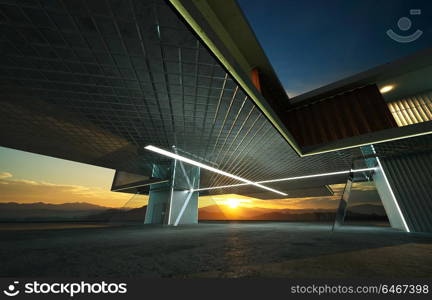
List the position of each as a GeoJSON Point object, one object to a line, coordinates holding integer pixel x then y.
{"type": "Point", "coordinates": [29, 191]}
{"type": "Point", "coordinates": [4, 175]}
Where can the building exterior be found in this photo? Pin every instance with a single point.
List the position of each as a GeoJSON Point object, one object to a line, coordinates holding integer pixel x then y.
{"type": "Point", "coordinates": [99, 83]}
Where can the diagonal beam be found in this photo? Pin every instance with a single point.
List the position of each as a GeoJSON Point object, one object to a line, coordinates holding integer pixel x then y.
{"type": "Point", "coordinates": [206, 167]}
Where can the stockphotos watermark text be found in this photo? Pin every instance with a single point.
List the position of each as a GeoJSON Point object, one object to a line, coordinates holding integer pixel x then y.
{"type": "Point", "coordinates": [71, 288]}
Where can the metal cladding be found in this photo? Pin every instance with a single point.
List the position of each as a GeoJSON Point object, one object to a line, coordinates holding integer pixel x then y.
{"type": "Point", "coordinates": [95, 82]}
{"type": "Point", "coordinates": [346, 115]}
{"type": "Point", "coordinates": [408, 166]}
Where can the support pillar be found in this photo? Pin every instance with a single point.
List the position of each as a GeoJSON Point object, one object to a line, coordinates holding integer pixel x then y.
{"type": "Point", "coordinates": [408, 178]}
{"type": "Point", "coordinates": [174, 202]}
{"type": "Point", "coordinates": [343, 204]}
{"type": "Point", "coordinates": [389, 200]}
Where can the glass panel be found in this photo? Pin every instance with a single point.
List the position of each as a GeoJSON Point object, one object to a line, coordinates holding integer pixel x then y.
{"type": "Point", "coordinates": [365, 206]}
{"type": "Point", "coordinates": [134, 210]}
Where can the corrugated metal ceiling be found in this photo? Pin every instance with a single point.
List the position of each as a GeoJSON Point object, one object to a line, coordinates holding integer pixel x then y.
{"type": "Point", "coordinates": [96, 81]}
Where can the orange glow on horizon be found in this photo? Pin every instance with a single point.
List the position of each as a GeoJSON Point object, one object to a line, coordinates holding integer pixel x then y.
{"type": "Point", "coordinates": [32, 178]}
{"type": "Point", "coordinates": [31, 191]}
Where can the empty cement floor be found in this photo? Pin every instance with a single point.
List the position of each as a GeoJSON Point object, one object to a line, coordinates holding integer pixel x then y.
{"type": "Point", "coordinates": [295, 250]}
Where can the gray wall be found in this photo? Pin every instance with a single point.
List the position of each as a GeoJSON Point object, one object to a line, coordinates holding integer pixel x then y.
{"type": "Point", "coordinates": [184, 208]}
{"type": "Point", "coordinates": [173, 203]}
{"type": "Point", "coordinates": [157, 206]}
{"type": "Point", "coordinates": [389, 201]}
{"type": "Point", "coordinates": [410, 177]}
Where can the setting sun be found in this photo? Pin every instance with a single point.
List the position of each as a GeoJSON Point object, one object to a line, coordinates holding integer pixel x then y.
{"type": "Point", "coordinates": [233, 203]}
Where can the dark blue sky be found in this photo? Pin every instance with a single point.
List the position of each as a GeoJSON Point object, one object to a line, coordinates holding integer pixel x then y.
{"type": "Point", "coordinates": [311, 43]}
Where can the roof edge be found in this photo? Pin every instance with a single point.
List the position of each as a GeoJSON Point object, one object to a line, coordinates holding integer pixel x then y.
{"type": "Point", "coordinates": [418, 60]}
{"type": "Point", "coordinates": [197, 20]}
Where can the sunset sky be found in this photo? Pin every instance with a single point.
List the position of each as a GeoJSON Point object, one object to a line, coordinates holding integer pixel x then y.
{"type": "Point", "coordinates": [28, 178]}
{"type": "Point", "coordinates": [309, 45]}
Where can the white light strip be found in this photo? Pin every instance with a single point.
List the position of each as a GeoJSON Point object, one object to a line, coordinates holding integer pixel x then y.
{"type": "Point", "coordinates": [289, 178]}
{"type": "Point", "coordinates": [368, 143]}
{"type": "Point", "coordinates": [203, 166]}
{"type": "Point", "coordinates": [391, 192]}
{"type": "Point", "coordinates": [171, 192]}
{"type": "Point", "coordinates": [220, 187]}
{"type": "Point", "coordinates": [185, 204]}
{"type": "Point", "coordinates": [135, 186]}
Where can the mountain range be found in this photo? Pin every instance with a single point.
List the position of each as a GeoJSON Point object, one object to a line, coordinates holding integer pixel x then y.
{"type": "Point", "coordinates": [216, 212]}
{"type": "Point", "coordinates": [39, 210]}
{"type": "Point", "coordinates": [13, 211]}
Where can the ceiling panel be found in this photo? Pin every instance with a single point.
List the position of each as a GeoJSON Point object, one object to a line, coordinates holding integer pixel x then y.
{"type": "Point", "coordinates": [96, 81]}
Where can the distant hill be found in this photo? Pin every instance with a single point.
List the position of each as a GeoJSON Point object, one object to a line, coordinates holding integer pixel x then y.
{"type": "Point", "coordinates": [80, 211]}
{"type": "Point", "coordinates": [47, 206]}
{"type": "Point", "coordinates": [214, 212]}
{"type": "Point", "coordinates": [120, 215]}
{"type": "Point", "coordinates": [13, 211]}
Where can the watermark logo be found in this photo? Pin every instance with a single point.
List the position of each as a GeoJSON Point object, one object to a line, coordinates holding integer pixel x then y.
{"type": "Point", "coordinates": [12, 290]}
{"type": "Point", "coordinates": [404, 24]}
{"type": "Point", "coordinates": [67, 288]}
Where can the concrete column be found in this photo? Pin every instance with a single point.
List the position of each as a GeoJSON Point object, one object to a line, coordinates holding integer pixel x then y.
{"type": "Point", "coordinates": [388, 198]}
{"type": "Point", "coordinates": [410, 177]}
{"type": "Point", "coordinates": [404, 182]}
{"type": "Point", "coordinates": [173, 202]}
{"type": "Point", "coordinates": [385, 190]}
{"type": "Point", "coordinates": [184, 208]}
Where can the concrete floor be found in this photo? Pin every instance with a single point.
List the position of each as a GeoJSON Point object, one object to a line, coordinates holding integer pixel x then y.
{"type": "Point", "coordinates": [296, 250]}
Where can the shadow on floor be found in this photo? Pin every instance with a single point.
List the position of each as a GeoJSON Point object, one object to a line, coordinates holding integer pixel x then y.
{"type": "Point", "coordinates": [257, 249]}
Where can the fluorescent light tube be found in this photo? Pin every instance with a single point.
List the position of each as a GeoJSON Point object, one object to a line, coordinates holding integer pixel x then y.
{"type": "Point", "coordinates": [290, 178]}
{"type": "Point", "coordinates": [203, 166]}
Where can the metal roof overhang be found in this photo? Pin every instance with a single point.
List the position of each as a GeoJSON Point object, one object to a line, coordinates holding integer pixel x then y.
{"type": "Point", "coordinates": [95, 82]}
{"type": "Point", "coordinates": [224, 30]}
